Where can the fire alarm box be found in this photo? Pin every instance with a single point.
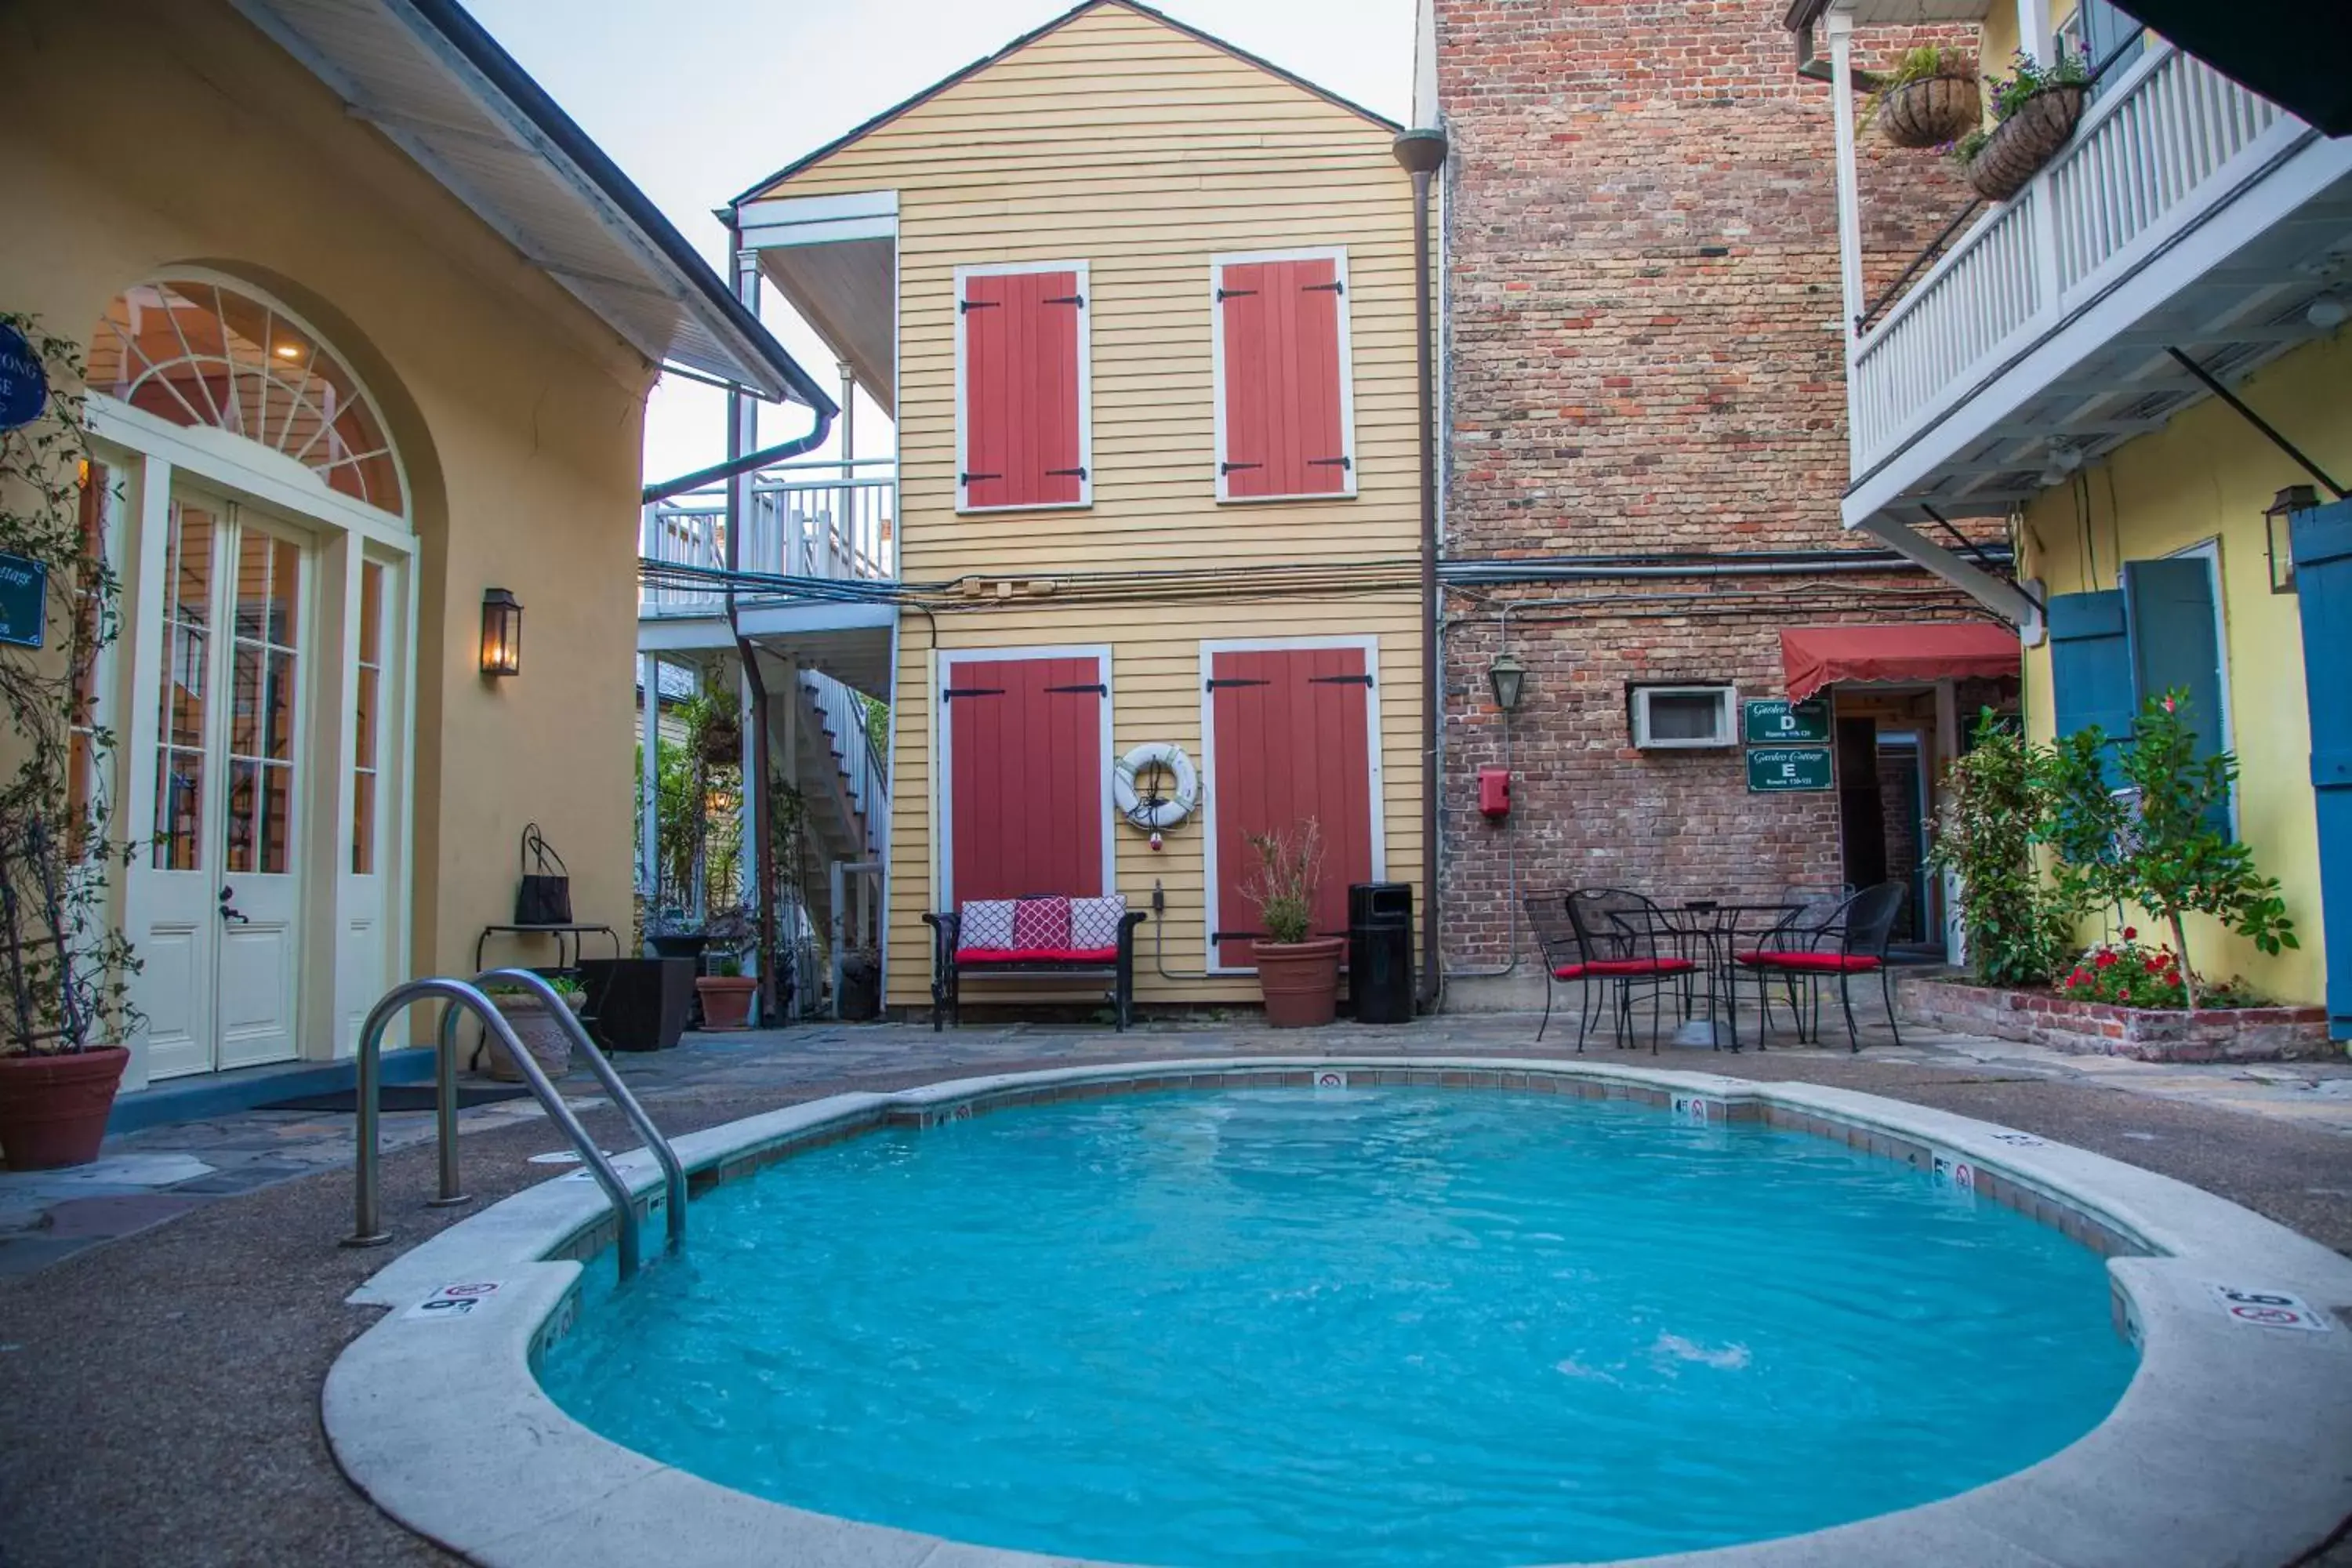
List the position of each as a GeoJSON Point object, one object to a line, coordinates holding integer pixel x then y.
{"type": "Point", "coordinates": [1495, 792]}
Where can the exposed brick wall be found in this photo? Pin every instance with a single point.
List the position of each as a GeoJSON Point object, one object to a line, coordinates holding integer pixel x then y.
{"type": "Point", "coordinates": [1644, 356]}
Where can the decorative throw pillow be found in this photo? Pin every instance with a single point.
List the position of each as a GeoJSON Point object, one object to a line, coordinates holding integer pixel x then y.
{"type": "Point", "coordinates": [987, 923]}
{"type": "Point", "coordinates": [1041, 922]}
{"type": "Point", "coordinates": [1093, 922]}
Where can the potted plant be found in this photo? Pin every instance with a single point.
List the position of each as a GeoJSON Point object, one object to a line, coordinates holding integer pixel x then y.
{"type": "Point", "coordinates": [1297, 972]}
{"type": "Point", "coordinates": [714, 728]}
{"type": "Point", "coordinates": [1930, 99]}
{"type": "Point", "coordinates": [2033, 114]}
{"type": "Point", "coordinates": [64, 968]}
{"type": "Point", "coordinates": [541, 1032]}
{"type": "Point", "coordinates": [726, 995]}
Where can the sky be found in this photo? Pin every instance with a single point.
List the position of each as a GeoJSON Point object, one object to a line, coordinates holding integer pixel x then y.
{"type": "Point", "coordinates": [698, 100]}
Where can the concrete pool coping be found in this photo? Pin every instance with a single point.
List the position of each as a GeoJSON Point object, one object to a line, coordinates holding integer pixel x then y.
{"type": "Point", "coordinates": [2232, 1444]}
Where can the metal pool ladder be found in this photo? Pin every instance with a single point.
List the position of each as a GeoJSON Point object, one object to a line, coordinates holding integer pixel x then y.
{"type": "Point", "coordinates": [464, 996]}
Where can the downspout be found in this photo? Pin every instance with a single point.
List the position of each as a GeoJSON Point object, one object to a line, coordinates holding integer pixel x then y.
{"type": "Point", "coordinates": [1421, 153]}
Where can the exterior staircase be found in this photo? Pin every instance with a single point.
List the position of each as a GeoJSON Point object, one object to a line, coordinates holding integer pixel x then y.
{"type": "Point", "coordinates": [844, 790]}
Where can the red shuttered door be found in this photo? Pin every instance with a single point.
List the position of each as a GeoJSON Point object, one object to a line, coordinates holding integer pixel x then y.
{"type": "Point", "coordinates": [1284, 412]}
{"type": "Point", "coordinates": [1291, 729]}
{"type": "Point", "coordinates": [1026, 778]}
{"type": "Point", "coordinates": [1021, 422]}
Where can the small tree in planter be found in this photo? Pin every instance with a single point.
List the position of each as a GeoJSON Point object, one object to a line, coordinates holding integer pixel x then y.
{"type": "Point", "coordinates": [63, 968]}
{"type": "Point", "coordinates": [1994, 812]}
{"type": "Point", "coordinates": [1297, 972]}
{"type": "Point", "coordinates": [2156, 843]}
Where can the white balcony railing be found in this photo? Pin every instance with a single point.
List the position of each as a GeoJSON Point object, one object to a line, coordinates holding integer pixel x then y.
{"type": "Point", "coordinates": [2165, 142]}
{"type": "Point", "coordinates": [807, 520]}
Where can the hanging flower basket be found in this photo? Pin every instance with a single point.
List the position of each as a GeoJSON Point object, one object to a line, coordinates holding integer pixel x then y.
{"type": "Point", "coordinates": [1933, 111]}
{"type": "Point", "coordinates": [2019, 146]}
{"type": "Point", "coordinates": [722, 741]}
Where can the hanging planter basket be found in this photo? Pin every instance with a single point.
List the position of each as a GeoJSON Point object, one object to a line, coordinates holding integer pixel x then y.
{"type": "Point", "coordinates": [1932, 111]}
{"type": "Point", "coordinates": [2024, 141]}
{"type": "Point", "coordinates": [722, 743]}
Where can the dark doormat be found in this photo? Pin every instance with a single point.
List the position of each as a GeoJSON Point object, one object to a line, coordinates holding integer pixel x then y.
{"type": "Point", "coordinates": [401, 1096]}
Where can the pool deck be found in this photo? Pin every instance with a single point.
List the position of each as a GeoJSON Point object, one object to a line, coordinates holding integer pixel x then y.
{"type": "Point", "coordinates": [164, 1342]}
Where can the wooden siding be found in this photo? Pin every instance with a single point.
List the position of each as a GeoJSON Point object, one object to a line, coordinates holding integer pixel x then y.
{"type": "Point", "coordinates": [1122, 141]}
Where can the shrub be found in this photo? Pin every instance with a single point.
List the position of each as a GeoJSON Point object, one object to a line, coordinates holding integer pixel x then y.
{"type": "Point", "coordinates": [1289, 873]}
{"type": "Point", "coordinates": [2129, 975]}
{"type": "Point", "coordinates": [1994, 811]}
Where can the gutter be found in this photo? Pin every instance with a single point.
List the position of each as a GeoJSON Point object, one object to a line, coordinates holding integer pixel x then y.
{"type": "Point", "coordinates": [1421, 153]}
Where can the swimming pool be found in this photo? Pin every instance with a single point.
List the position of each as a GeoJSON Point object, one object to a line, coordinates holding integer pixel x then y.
{"type": "Point", "coordinates": [1384, 1326]}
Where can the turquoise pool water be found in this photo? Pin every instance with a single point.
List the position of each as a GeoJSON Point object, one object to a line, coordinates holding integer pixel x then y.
{"type": "Point", "coordinates": [1383, 1327]}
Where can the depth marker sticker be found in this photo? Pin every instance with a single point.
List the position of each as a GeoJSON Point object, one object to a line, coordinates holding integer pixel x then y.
{"type": "Point", "coordinates": [1699, 1108]}
{"type": "Point", "coordinates": [2269, 1310]}
{"type": "Point", "coordinates": [1956, 1172]}
{"type": "Point", "coordinates": [452, 1302]}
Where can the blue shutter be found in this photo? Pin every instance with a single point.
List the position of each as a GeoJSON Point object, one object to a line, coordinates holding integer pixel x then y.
{"type": "Point", "coordinates": [2104, 30]}
{"type": "Point", "coordinates": [2091, 667]}
{"type": "Point", "coordinates": [2176, 644]}
{"type": "Point", "coordinates": [2323, 583]}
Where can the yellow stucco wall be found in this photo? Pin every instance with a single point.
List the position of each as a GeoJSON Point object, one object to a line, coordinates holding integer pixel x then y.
{"type": "Point", "coordinates": [1129, 144]}
{"type": "Point", "coordinates": [147, 134]}
{"type": "Point", "coordinates": [2207, 475]}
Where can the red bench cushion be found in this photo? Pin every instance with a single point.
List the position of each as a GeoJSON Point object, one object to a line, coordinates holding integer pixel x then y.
{"type": "Point", "coordinates": [1036, 955]}
{"type": "Point", "coordinates": [1040, 931]}
{"type": "Point", "coordinates": [1619, 968]}
{"type": "Point", "coordinates": [1810, 963]}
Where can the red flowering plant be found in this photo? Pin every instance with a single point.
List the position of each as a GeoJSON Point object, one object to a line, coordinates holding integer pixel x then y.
{"type": "Point", "coordinates": [2129, 974]}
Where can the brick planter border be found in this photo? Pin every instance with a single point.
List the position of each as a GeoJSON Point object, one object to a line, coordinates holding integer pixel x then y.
{"type": "Point", "coordinates": [2099, 1029]}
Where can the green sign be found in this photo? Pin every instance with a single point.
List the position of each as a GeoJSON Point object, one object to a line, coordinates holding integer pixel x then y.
{"type": "Point", "coordinates": [1777, 721]}
{"type": "Point", "coordinates": [24, 600]}
{"type": "Point", "coordinates": [1774, 769]}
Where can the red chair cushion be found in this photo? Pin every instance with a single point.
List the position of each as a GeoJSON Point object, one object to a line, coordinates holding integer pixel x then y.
{"type": "Point", "coordinates": [1036, 955]}
{"type": "Point", "coordinates": [1810, 963]}
{"type": "Point", "coordinates": [1615, 968]}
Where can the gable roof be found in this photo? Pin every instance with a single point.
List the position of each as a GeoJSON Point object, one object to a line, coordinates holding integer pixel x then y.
{"type": "Point", "coordinates": [1022, 42]}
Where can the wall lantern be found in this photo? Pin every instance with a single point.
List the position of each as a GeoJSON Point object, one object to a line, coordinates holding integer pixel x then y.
{"type": "Point", "coordinates": [1508, 675]}
{"type": "Point", "coordinates": [501, 634]}
{"type": "Point", "coordinates": [2278, 534]}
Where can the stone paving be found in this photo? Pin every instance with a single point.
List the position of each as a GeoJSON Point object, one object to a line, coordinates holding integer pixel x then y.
{"type": "Point", "coordinates": [148, 1178]}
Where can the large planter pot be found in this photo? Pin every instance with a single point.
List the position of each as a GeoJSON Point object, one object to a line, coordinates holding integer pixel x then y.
{"type": "Point", "coordinates": [540, 1033]}
{"type": "Point", "coordinates": [1300, 980]}
{"type": "Point", "coordinates": [726, 1000]}
{"type": "Point", "coordinates": [53, 1110]}
{"type": "Point", "coordinates": [2028, 139]}
{"type": "Point", "coordinates": [1930, 112]}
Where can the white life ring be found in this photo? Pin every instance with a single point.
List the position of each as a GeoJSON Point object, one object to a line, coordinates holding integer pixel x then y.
{"type": "Point", "coordinates": [1169, 808]}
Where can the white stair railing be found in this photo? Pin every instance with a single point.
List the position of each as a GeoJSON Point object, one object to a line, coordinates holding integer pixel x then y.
{"type": "Point", "coordinates": [865, 776]}
{"type": "Point", "coordinates": [802, 523]}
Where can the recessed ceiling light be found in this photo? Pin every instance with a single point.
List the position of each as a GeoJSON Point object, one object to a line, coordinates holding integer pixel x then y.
{"type": "Point", "coordinates": [288, 351]}
{"type": "Point", "coordinates": [2327, 314]}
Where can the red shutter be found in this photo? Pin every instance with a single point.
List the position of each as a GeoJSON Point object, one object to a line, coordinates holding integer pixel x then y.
{"type": "Point", "coordinates": [1284, 425]}
{"type": "Point", "coordinates": [1291, 731]}
{"type": "Point", "coordinates": [1026, 787]}
{"type": "Point", "coordinates": [1021, 443]}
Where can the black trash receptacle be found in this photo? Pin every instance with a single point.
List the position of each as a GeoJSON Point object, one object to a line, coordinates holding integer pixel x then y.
{"type": "Point", "coordinates": [861, 990]}
{"type": "Point", "coordinates": [1380, 951]}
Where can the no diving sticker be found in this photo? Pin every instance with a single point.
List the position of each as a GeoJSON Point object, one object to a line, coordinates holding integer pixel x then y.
{"type": "Point", "coordinates": [1956, 1172]}
{"type": "Point", "coordinates": [452, 1302]}
{"type": "Point", "coordinates": [1330, 1079]}
{"type": "Point", "coordinates": [2269, 1310]}
{"type": "Point", "coordinates": [1697, 1108]}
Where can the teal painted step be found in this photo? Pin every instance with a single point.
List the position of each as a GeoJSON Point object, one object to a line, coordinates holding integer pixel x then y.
{"type": "Point", "coordinates": [226, 1093]}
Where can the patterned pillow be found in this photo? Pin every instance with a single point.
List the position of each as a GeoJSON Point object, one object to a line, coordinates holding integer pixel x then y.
{"type": "Point", "coordinates": [1093, 922]}
{"type": "Point", "coordinates": [987, 923]}
{"type": "Point", "coordinates": [1041, 922]}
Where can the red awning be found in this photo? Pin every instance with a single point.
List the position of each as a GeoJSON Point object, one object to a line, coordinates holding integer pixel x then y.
{"type": "Point", "coordinates": [1816, 656]}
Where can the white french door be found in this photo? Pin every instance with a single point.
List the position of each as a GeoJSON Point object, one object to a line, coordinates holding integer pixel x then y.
{"type": "Point", "coordinates": [215, 896]}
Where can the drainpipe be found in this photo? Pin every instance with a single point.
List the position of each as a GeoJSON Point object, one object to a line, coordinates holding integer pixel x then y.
{"type": "Point", "coordinates": [1421, 153]}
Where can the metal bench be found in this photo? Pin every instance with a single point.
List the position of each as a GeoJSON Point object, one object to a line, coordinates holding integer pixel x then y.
{"type": "Point", "coordinates": [1049, 938]}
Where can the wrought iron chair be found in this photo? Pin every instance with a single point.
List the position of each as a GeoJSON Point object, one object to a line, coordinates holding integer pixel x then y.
{"type": "Point", "coordinates": [1618, 938]}
{"type": "Point", "coordinates": [1851, 941]}
{"type": "Point", "coordinates": [1563, 960]}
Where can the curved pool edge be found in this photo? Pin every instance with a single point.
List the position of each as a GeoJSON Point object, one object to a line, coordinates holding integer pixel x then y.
{"type": "Point", "coordinates": [2230, 1444]}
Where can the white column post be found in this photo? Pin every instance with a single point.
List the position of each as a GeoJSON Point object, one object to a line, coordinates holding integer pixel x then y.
{"type": "Point", "coordinates": [2035, 36]}
{"type": "Point", "coordinates": [649, 669]}
{"type": "Point", "coordinates": [1840, 26]}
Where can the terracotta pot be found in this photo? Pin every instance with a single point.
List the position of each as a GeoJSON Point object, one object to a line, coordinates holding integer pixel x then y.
{"type": "Point", "coordinates": [726, 1000]}
{"type": "Point", "coordinates": [541, 1034]}
{"type": "Point", "coordinates": [1931, 111]}
{"type": "Point", "coordinates": [2028, 139]}
{"type": "Point", "coordinates": [1300, 980]}
{"type": "Point", "coordinates": [53, 1109]}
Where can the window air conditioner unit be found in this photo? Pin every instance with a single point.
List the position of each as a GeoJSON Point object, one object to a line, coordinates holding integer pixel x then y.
{"type": "Point", "coordinates": [1685, 718]}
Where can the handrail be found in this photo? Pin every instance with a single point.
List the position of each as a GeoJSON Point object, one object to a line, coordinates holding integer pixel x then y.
{"type": "Point", "coordinates": [367, 1195]}
{"type": "Point", "coordinates": [673, 1173]}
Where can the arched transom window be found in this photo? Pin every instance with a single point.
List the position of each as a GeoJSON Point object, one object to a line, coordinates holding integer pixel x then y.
{"type": "Point", "coordinates": [198, 353]}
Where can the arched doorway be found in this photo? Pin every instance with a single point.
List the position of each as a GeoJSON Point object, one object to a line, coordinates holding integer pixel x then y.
{"type": "Point", "coordinates": [257, 511]}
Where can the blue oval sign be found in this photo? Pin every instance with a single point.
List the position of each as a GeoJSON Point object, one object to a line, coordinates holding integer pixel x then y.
{"type": "Point", "coordinates": [24, 384]}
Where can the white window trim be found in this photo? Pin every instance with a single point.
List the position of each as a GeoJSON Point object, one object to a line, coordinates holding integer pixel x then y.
{"type": "Point", "coordinates": [1338, 256]}
{"type": "Point", "coordinates": [1637, 714]}
{"type": "Point", "coordinates": [1209, 648]}
{"type": "Point", "coordinates": [2210, 550]}
{"type": "Point", "coordinates": [1086, 385]}
{"type": "Point", "coordinates": [944, 763]}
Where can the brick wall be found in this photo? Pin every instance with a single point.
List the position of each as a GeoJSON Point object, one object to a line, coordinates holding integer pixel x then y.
{"type": "Point", "coordinates": [1644, 356]}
